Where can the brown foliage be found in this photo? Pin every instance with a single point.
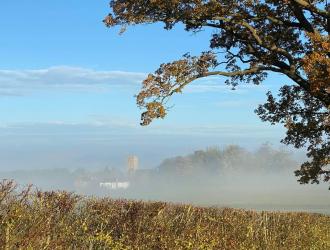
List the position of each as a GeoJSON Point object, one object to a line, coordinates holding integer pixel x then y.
{"type": "Point", "coordinates": [316, 64]}
{"type": "Point", "coordinates": [60, 220]}
{"type": "Point", "coordinates": [255, 37]}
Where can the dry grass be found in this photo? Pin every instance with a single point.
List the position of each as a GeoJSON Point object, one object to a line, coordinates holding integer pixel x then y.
{"type": "Point", "coordinates": [31, 219]}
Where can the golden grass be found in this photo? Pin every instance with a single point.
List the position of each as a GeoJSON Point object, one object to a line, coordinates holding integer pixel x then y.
{"type": "Point", "coordinates": [60, 220]}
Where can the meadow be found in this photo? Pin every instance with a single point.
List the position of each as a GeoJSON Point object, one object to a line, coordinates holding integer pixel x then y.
{"type": "Point", "coordinates": [33, 219]}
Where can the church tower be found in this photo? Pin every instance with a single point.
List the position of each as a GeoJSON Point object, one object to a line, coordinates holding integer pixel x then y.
{"type": "Point", "coordinates": [132, 163]}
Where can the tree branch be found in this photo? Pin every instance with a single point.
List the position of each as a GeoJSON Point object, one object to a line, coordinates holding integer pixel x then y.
{"type": "Point", "coordinates": [306, 5]}
{"type": "Point", "coordinates": [252, 70]}
{"type": "Point", "coordinates": [258, 39]}
{"type": "Point", "coordinates": [299, 14]}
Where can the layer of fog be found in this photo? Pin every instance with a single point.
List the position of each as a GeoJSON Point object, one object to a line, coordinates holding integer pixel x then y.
{"type": "Point", "coordinates": [228, 177]}
{"type": "Point", "coordinates": [72, 146]}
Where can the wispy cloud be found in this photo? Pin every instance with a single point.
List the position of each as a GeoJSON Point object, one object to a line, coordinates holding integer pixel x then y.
{"type": "Point", "coordinates": [125, 127]}
{"type": "Point", "coordinates": [237, 103]}
{"type": "Point", "coordinates": [19, 82]}
{"type": "Point", "coordinates": [217, 84]}
{"type": "Point", "coordinates": [22, 82]}
{"type": "Point", "coordinates": [209, 84]}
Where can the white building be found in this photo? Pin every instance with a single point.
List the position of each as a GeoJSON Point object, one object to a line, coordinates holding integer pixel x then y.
{"type": "Point", "coordinates": [115, 185]}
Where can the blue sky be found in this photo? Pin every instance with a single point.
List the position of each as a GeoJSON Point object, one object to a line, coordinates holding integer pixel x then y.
{"type": "Point", "coordinates": [67, 86]}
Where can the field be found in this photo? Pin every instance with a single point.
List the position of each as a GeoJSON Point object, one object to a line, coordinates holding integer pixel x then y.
{"type": "Point", "coordinates": [31, 219]}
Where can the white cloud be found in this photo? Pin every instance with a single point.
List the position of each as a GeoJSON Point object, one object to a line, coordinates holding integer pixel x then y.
{"type": "Point", "coordinates": [246, 103]}
{"type": "Point", "coordinates": [128, 127]}
{"type": "Point", "coordinates": [18, 82]}
{"type": "Point", "coordinates": [220, 130]}
{"type": "Point", "coordinates": [217, 84]}
{"type": "Point", "coordinates": [208, 84]}
{"type": "Point", "coordinates": [21, 82]}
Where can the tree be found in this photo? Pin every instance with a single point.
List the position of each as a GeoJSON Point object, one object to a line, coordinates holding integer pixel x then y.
{"type": "Point", "coordinates": [251, 38]}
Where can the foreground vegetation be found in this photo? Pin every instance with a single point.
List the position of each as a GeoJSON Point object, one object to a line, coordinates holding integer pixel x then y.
{"type": "Point", "coordinates": [31, 219]}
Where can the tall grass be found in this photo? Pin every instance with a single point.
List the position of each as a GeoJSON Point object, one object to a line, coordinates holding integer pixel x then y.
{"type": "Point", "coordinates": [31, 219]}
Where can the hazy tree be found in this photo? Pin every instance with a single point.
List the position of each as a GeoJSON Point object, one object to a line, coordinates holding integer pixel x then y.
{"type": "Point", "coordinates": [208, 160]}
{"type": "Point", "coordinates": [273, 160]}
{"type": "Point", "coordinates": [180, 166]}
{"type": "Point", "coordinates": [235, 158]}
{"type": "Point", "coordinates": [253, 37]}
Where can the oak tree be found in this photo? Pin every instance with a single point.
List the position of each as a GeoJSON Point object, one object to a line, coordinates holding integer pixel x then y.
{"type": "Point", "coordinates": [250, 39]}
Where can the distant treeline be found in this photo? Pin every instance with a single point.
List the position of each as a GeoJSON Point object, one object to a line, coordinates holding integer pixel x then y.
{"type": "Point", "coordinates": [209, 164]}
{"type": "Point", "coordinates": [231, 159]}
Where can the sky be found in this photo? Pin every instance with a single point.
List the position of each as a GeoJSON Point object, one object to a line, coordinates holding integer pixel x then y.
{"type": "Point", "coordinates": [67, 86]}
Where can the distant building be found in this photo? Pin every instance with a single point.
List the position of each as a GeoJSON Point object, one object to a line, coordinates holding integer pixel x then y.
{"type": "Point", "coordinates": [133, 163]}
{"type": "Point", "coordinates": [115, 185]}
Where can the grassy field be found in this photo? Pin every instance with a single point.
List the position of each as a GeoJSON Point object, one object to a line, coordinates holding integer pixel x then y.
{"type": "Point", "coordinates": [31, 219]}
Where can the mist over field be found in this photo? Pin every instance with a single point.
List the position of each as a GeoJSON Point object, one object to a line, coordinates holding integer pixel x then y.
{"type": "Point", "coordinates": [164, 124]}
{"type": "Point", "coordinates": [228, 176]}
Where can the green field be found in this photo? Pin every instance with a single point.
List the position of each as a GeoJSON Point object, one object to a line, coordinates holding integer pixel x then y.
{"type": "Point", "coordinates": [31, 219]}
